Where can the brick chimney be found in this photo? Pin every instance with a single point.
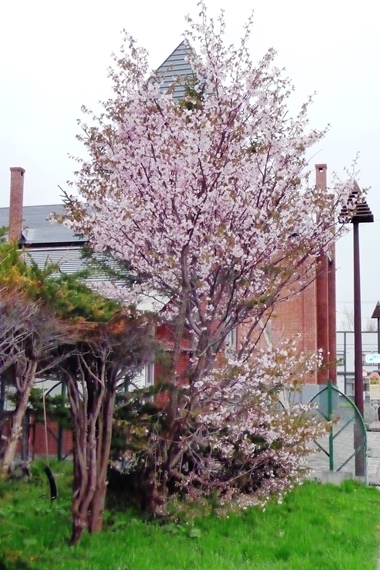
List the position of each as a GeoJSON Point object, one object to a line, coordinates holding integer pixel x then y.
{"type": "Point", "coordinates": [322, 291]}
{"type": "Point", "coordinates": [326, 302]}
{"type": "Point", "coordinates": [321, 176]}
{"type": "Point", "coordinates": [16, 202]}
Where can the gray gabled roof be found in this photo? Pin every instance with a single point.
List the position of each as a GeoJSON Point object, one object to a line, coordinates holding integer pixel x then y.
{"type": "Point", "coordinates": [176, 66]}
{"type": "Point", "coordinates": [69, 259]}
{"type": "Point", "coordinates": [37, 230]}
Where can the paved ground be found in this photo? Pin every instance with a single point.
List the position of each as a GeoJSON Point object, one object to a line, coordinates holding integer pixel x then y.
{"type": "Point", "coordinates": [374, 461]}
{"type": "Point", "coordinates": [343, 453]}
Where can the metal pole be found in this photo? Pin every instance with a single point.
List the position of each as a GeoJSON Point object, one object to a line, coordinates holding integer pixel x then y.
{"type": "Point", "coordinates": [345, 362]}
{"type": "Point", "coordinates": [378, 368]}
{"type": "Point", "coordinates": [331, 434]}
{"type": "Point", "coordinates": [360, 453]}
{"type": "Point", "coordinates": [358, 325]}
{"type": "Point", "coordinates": [362, 214]}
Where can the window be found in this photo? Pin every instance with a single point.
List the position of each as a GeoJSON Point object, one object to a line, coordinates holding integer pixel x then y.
{"type": "Point", "coordinates": [145, 377]}
{"type": "Point", "coordinates": [149, 374]}
{"type": "Point", "coordinates": [231, 342]}
{"type": "Point", "coordinates": [340, 358]}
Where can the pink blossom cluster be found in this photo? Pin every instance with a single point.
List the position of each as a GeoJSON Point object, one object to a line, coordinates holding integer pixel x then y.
{"type": "Point", "coordinates": [242, 441]}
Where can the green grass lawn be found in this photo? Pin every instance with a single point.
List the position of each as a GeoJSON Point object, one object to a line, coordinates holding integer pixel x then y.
{"type": "Point", "coordinates": [317, 527]}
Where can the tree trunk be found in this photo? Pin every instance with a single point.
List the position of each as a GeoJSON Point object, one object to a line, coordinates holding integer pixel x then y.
{"type": "Point", "coordinates": [153, 492]}
{"type": "Point", "coordinates": [16, 427]}
{"type": "Point", "coordinates": [25, 436]}
{"type": "Point", "coordinates": [97, 508]}
{"type": "Point", "coordinates": [82, 495]}
{"type": "Point", "coordinates": [80, 471]}
{"type": "Point", "coordinates": [83, 488]}
{"type": "Point", "coordinates": [91, 377]}
{"type": "Point", "coordinates": [77, 529]}
{"type": "Point", "coordinates": [87, 462]}
{"type": "Point", "coordinates": [2, 400]}
{"type": "Point", "coordinates": [104, 435]}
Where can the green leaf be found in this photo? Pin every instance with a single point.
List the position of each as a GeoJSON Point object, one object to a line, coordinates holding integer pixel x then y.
{"type": "Point", "coordinates": [195, 533]}
{"type": "Point", "coordinates": [30, 542]}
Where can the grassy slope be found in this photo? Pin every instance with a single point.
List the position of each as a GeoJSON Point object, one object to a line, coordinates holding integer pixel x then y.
{"type": "Point", "coordinates": [317, 527]}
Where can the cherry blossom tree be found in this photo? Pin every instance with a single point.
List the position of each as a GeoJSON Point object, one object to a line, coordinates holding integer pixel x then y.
{"type": "Point", "coordinates": [209, 201]}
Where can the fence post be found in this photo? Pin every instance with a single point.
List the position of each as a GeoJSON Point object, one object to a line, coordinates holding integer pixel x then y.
{"type": "Point", "coordinates": [329, 414]}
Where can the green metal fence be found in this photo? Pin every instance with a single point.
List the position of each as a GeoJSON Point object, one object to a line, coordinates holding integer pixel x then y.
{"type": "Point", "coordinates": [344, 449]}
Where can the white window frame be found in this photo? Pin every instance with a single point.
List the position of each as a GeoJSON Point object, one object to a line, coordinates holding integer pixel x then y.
{"type": "Point", "coordinates": [230, 341]}
{"type": "Point", "coordinates": [149, 374]}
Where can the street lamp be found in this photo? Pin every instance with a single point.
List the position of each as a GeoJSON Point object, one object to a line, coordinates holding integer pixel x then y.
{"type": "Point", "coordinates": [357, 212]}
{"type": "Point", "coordinates": [362, 214]}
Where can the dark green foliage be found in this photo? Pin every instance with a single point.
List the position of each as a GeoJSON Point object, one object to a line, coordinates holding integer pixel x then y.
{"type": "Point", "coordinates": [3, 234]}
{"type": "Point", "coordinates": [136, 415]}
{"type": "Point", "coordinates": [66, 296]}
{"type": "Point", "coordinates": [71, 298]}
{"type": "Point", "coordinates": [194, 95]}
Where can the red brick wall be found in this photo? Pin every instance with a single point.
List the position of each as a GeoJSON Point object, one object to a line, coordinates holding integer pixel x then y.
{"type": "Point", "coordinates": [297, 316]}
{"type": "Point", "coordinates": [37, 439]}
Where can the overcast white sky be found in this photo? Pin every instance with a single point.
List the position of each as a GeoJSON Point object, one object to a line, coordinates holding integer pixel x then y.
{"type": "Point", "coordinates": [54, 58]}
